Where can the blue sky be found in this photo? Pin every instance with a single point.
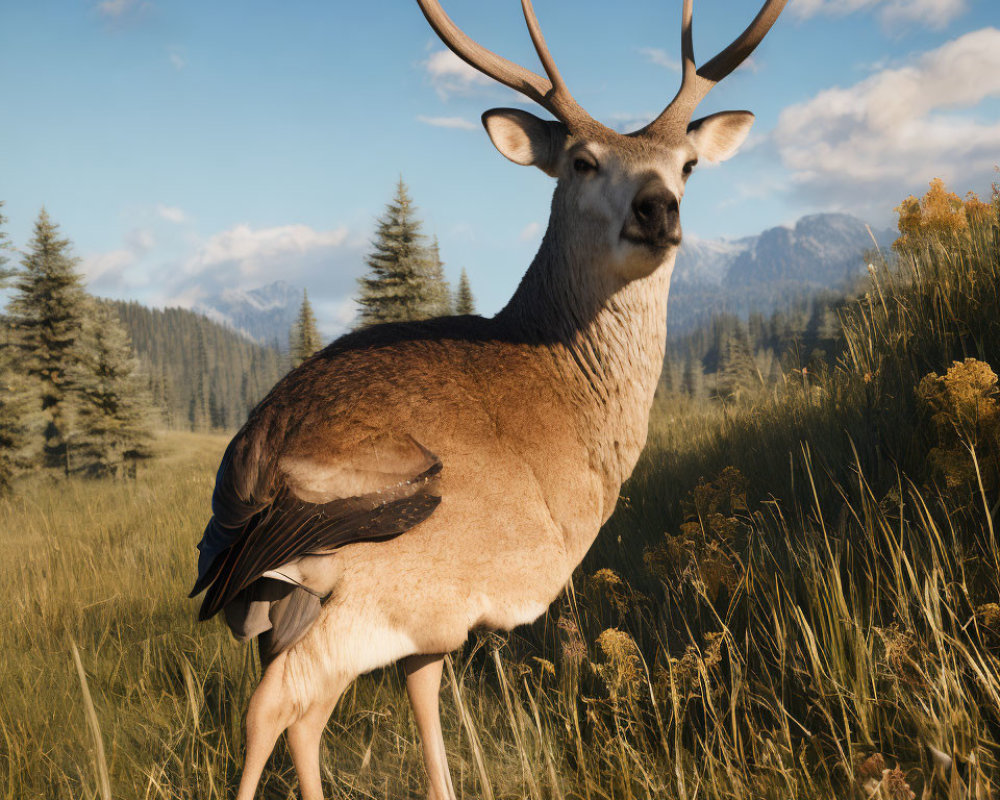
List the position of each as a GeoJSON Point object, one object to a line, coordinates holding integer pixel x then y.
{"type": "Point", "coordinates": [188, 147]}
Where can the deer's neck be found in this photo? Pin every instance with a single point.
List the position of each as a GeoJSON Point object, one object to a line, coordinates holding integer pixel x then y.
{"type": "Point", "coordinates": [606, 342]}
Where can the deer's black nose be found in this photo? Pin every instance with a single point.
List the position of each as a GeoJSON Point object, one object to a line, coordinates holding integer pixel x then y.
{"type": "Point", "coordinates": [655, 218]}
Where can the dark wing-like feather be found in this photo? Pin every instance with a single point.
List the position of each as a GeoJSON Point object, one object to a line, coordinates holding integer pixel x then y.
{"type": "Point", "coordinates": [289, 528]}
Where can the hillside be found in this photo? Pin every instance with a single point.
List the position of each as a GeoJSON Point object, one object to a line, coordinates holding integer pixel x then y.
{"type": "Point", "coordinates": [203, 374]}
{"type": "Point", "coordinates": [779, 267]}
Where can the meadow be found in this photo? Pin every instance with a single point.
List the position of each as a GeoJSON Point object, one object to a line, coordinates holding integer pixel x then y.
{"type": "Point", "coordinates": [798, 597]}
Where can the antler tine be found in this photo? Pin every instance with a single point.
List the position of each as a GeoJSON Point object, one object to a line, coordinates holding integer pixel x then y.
{"type": "Point", "coordinates": [551, 94]}
{"type": "Point", "coordinates": [741, 48]}
{"type": "Point", "coordinates": [696, 83]}
{"type": "Point", "coordinates": [560, 94]}
{"type": "Point", "coordinates": [687, 43]}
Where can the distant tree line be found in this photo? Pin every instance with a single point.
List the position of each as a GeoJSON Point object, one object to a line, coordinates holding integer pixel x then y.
{"type": "Point", "coordinates": [201, 375]}
{"type": "Point", "coordinates": [71, 397]}
{"type": "Point", "coordinates": [731, 357]}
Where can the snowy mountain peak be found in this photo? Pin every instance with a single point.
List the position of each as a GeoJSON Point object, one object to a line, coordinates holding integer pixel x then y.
{"type": "Point", "coordinates": [264, 314]}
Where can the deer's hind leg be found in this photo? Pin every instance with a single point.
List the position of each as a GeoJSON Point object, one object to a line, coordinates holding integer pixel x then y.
{"type": "Point", "coordinates": [423, 684]}
{"type": "Point", "coordinates": [281, 702]}
{"type": "Point", "coordinates": [304, 737]}
{"type": "Point", "coordinates": [271, 710]}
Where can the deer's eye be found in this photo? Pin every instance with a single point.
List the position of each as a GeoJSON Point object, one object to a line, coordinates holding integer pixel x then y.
{"type": "Point", "coordinates": [689, 166]}
{"type": "Point", "coordinates": [584, 164]}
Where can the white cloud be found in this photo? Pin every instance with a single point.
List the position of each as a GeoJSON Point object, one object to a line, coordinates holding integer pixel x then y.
{"type": "Point", "coordinates": [932, 13]}
{"type": "Point", "coordinates": [460, 123]}
{"type": "Point", "coordinates": [261, 253]}
{"type": "Point", "coordinates": [661, 58]}
{"type": "Point", "coordinates": [654, 55]}
{"type": "Point", "coordinates": [106, 269]}
{"type": "Point", "coordinates": [116, 9]}
{"type": "Point", "coordinates": [171, 214]}
{"type": "Point", "coordinates": [626, 122]}
{"type": "Point", "coordinates": [172, 269]}
{"type": "Point", "coordinates": [899, 127]}
{"type": "Point", "coordinates": [335, 316]}
{"type": "Point", "coordinates": [530, 233]}
{"type": "Point", "coordinates": [140, 241]}
{"type": "Point", "coordinates": [176, 57]}
{"type": "Point", "coordinates": [326, 263]}
{"type": "Point", "coordinates": [450, 75]}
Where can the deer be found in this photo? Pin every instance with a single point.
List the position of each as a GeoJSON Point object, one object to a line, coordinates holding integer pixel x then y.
{"type": "Point", "coordinates": [413, 482]}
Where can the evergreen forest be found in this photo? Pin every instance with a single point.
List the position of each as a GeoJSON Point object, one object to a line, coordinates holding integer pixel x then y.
{"type": "Point", "coordinates": [85, 383]}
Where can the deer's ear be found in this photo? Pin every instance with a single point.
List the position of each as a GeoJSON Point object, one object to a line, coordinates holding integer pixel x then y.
{"type": "Point", "coordinates": [719, 136]}
{"type": "Point", "coordinates": [525, 139]}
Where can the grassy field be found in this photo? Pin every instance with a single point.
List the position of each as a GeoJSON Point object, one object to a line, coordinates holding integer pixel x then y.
{"type": "Point", "coordinates": [798, 598]}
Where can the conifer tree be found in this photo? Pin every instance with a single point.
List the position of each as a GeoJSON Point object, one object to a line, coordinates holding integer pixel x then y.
{"type": "Point", "coordinates": [465, 303]}
{"type": "Point", "coordinates": [46, 313]}
{"type": "Point", "coordinates": [198, 411]}
{"type": "Point", "coordinates": [737, 369]}
{"type": "Point", "coordinates": [20, 418]}
{"type": "Point", "coordinates": [114, 412]}
{"type": "Point", "coordinates": [20, 414]}
{"type": "Point", "coordinates": [5, 249]}
{"type": "Point", "coordinates": [396, 287]}
{"type": "Point", "coordinates": [440, 304]}
{"type": "Point", "coordinates": [304, 338]}
{"type": "Point", "coordinates": [693, 375]}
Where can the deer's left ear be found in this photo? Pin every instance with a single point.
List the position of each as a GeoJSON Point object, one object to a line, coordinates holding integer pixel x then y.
{"type": "Point", "coordinates": [718, 136]}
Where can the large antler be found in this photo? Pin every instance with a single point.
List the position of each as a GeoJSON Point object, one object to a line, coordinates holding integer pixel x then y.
{"type": "Point", "coordinates": [551, 94]}
{"type": "Point", "coordinates": [696, 83]}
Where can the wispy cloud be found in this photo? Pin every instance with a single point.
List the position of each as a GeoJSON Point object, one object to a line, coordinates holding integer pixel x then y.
{"type": "Point", "coordinates": [117, 9]}
{"type": "Point", "coordinates": [659, 57]}
{"type": "Point", "coordinates": [626, 122]}
{"type": "Point", "coordinates": [173, 269]}
{"type": "Point", "coordinates": [176, 57]}
{"type": "Point", "coordinates": [171, 214]}
{"type": "Point", "coordinates": [892, 13]}
{"type": "Point", "coordinates": [253, 254]}
{"type": "Point", "coordinates": [461, 123]}
{"type": "Point", "coordinates": [450, 75]}
{"type": "Point", "coordinates": [530, 232]}
{"type": "Point", "coordinates": [105, 271]}
{"type": "Point", "coordinates": [868, 143]}
{"type": "Point", "coordinates": [109, 270]}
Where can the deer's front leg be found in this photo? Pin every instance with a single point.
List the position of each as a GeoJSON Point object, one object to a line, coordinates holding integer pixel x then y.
{"type": "Point", "coordinates": [423, 685]}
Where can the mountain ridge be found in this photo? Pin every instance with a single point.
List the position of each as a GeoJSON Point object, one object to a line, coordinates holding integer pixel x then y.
{"type": "Point", "coordinates": [778, 266]}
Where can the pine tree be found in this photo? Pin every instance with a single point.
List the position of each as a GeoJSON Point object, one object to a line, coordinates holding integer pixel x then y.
{"type": "Point", "coordinates": [737, 368]}
{"type": "Point", "coordinates": [20, 414]}
{"type": "Point", "coordinates": [440, 304]}
{"type": "Point", "coordinates": [397, 287]}
{"type": "Point", "coordinates": [303, 339]}
{"type": "Point", "coordinates": [20, 420]}
{"type": "Point", "coordinates": [5, 248]}
{"type": "Point", "coordinates": [114, 412]}
{"type": "Point", "coordinates": [46, 313]}
{"type": "Point", "coordinates": [693, 377]}
{"type": "Point", "coordinates": [198, 414]}
{"type": "Point", "coordinates": [465, 303]}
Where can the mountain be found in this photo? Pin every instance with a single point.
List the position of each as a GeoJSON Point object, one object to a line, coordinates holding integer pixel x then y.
{"type": "Point", "coordinates": [762, 273]}
{"type": "Point", "coordinates": [264, 315]}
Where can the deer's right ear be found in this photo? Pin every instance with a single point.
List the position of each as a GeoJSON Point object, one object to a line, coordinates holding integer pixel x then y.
{"type": "Point", "coordinates": [525, 139]}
